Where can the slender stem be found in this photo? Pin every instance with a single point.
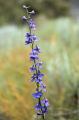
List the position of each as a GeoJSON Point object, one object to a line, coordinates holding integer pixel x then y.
{"type": "Point", "coordinates": [38, 86]}
{"type": "Point", "coordinates": [39, 99]}
{"type": "Point", "coordinates": [37, 77]}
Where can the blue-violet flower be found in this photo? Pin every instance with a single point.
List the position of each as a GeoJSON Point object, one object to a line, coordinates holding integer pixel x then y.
{"type": "Point", "coordinates": [37, 65]}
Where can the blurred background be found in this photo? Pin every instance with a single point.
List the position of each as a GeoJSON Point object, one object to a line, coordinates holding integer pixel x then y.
{"type": "Point", "coordinates": [57, 24]}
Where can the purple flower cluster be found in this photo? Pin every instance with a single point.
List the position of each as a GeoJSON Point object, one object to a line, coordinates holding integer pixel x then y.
{"type": "Point", "coordinates": [42, 104]}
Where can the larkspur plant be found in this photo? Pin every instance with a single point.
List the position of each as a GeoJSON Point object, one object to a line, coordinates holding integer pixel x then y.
{"type": "Point", "coordinates": [42, 104]}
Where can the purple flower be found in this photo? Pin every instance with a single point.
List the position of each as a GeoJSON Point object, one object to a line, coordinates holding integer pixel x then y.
{"type": "Point", "coordinates": [45, 102]}
{"type": "Point", "coordinates": [40, 74]}
{"type": "Point", "coordinates": [38, 107]}
{"type": "Point", "coordinates": [33, 58]}
{"type": "Point", "coordinates": [36, 49]}
{"type": "Point", "coordinates": [39, 113]}
{"type": "Point", "coordinates": [31, 80]}
{"type": "Point", "coordinates": [24, 18]}
{"type": "Point", "coordinates": [33, 53]}
{"type": "Point", "coordinates": [37, 94]}
{"type": "Point", "coordinates": [29, 41]}
{"type": "Point", "coordinates": [32, 12]}
{"type": "Point", "coordinates": [32, 68]}
{"type": "Point", "coordinates": [34, 37]}
{"type": "Point", "coordinates": [39, 65]}
{"type": "Point", "coordinates": [38, 80]}
{"type": "Point", "coordinates": [28, 35]}
{"type": "Point", "coordinates": [32, 24]}
{"type": "Point", "coordinates": [25, 7]}
{"type": "Point", "coordinates": [43, 86]}
{"type": "Point", "coordinates": [33, 77]}
{"type": "Point", "coordinates": [45, 109]}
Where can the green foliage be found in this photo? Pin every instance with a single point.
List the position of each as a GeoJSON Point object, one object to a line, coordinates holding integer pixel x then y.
{"type": "Point", "coordinates": [11, 10]}
{"type": "Point", "coordinates": [55, 7]}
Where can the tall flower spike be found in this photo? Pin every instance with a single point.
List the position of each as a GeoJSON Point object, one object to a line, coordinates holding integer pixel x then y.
{"type": "Point", "coordinates": [31, 38]}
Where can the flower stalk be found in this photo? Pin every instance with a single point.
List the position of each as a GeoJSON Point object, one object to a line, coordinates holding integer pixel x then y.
{"type": "Point", "coordinates": [42, 104]}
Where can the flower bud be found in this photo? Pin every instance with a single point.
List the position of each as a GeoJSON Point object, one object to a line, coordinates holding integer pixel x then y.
{"type": "Point", "coordinates": [24, 18]}
{"type": "Point", "coordinates": [32, 12]}
{"type": "Point", "coordinates": [25, 7]}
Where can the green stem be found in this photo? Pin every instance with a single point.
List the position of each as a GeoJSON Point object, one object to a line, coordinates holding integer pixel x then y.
{"type": "Point", "coordinates": [39, 99]}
